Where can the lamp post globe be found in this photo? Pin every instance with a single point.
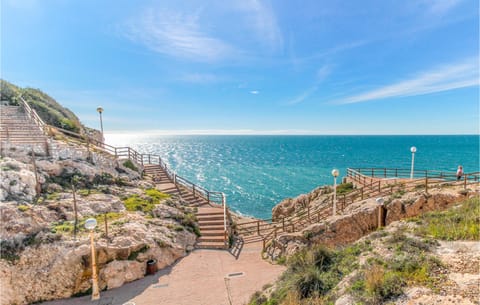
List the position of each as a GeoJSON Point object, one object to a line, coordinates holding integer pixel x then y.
{"type": "Point", "coordinates": [335, 174]}
{"type": "Point", "coordinates": [90, 224]}
{"type": "Point", "coordinates": [413, 149]}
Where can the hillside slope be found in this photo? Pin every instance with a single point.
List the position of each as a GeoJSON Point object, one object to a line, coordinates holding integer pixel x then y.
{"type": "Point", "coordinates": [433, 258]}
{"type": "Point", "coordinates": [47, 107]}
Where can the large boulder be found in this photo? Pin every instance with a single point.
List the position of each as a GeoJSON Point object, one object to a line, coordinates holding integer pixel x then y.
{"type": "Point", "coordinates": [290, 206]}
{"type": "Point", "coordinates": [117, 273]}
{"type": "Point", "coordinates": [18, 181]}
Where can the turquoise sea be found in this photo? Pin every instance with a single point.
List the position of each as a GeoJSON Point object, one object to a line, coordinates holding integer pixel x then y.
{"type": "Point", "coordinates": [257, 172]}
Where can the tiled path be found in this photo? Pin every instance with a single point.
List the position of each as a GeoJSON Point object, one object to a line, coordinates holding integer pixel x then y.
{"type": "Point", "coordinates": [204, 277]}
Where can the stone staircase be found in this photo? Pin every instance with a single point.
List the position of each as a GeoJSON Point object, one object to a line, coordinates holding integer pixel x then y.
{"type": "Point", "coordinates": [211, 225]}
{"type": "Point", "coordinates": [17, 128]}
{"type": "Point", "coordinates": [209, 216]}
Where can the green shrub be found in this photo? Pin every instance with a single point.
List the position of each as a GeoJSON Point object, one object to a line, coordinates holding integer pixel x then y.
{"type": "Point", "coordinates": [156, 194]}
{"type": "Point", "coordinates": [23, 208]}
{"type": "Point", "coordinates": [455, 224]}
{"type": "Point", "coordinates": [104, 179]}
{"type": "Point", "coordinates": [136, 203]}
{"type": "Point", "coordinates": [145, 203]}
{"type": "Point", "coordinates": [344, 188]}
{"type": "Point", "coordinates": [133, 255]}
{"type": "Point", "coordinates": [53, 196]}
{"type": "Point", "coordinates": [129, 164]}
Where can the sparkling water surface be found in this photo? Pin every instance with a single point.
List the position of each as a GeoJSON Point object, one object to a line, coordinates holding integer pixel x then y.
{"type": "Point", "coordinates": [257, 172]}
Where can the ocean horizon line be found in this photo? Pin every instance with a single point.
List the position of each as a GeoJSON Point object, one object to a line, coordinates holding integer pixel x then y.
{"type": "Point", "coordinates": [262, 133]}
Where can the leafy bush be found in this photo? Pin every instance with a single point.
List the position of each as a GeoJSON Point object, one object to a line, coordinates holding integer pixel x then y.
{"type": "Point", "coordinates": [23, 208]}
{"type": "Point", "coordinates": [133, 255]}
{"type": "Point", "coordinates": [137, 203]}
{"type": "Point", "coordinates": [129, 164]}
{"type": "Point", "coordinates": [104, 179]}
{"type": "Point", "coordinates": [68, 226]}
{"type": "Point", "coordinates": [454, 224]}
{"type": "Point", "coordinates": [144, 203]}
{"type": "Point", "coordinates": [344, 188]}
{"type": "Point", "coordinates": [156, 194]}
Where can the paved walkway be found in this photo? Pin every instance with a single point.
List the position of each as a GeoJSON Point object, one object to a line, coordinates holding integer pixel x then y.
{"type": "Point", "coordinates": [204, 277]}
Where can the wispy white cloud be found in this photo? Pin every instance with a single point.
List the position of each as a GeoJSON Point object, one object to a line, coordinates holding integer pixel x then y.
{"type": "Point", "coordinates": [254, 92]}
{"type": "Point", "coordinates": [262, 20]}
{"type": "Point", "coordinates": [448, 77]}
{"type": "Point", "coordinates": [321, 75]}
{"type": "Point", "coordinates": [442, 7]}
{"type": "Point", "coordinates": [177, 35]}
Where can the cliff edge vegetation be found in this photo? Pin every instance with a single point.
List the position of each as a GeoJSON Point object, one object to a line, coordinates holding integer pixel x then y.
{"type": "Point", "coordinates": [46, 107]}
{"type": "Point", "coordinates": [432, 258]}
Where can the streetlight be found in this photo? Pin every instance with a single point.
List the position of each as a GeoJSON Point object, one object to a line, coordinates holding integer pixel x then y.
{"type": "Point", "coordinates": [413, 149]}
{"type": "Point", "coordinates": [335, 174]}
{"type": "Point", "coordinates": [100, 110]}
{"type": "Point", "coordinates": [90, 224]}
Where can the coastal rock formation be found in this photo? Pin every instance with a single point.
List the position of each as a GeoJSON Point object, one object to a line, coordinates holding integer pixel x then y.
{"type": "Point", "coordinates": [290, 206]}
{"type": "Point", "coordinates": [38, 249]}
{"type": "Point", "coordinates": [121, 259]}
{"type": "Point", "coordinates": [18, 181]}
{"type": "Point", "coordinates": [359, 219]}
{"type": "Point", "coordinates": [116, 273]}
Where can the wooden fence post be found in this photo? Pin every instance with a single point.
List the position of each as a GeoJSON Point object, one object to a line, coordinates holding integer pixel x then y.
{"type": "Point", "coordinates": [426, 184]}
{"type": "Point", "coordinates": [258, 227]}
{"type": "Point", "coordinates": [106, 225]}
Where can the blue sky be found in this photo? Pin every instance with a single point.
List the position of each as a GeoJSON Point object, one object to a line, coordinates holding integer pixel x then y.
{"type": "Point", "coordinates": [251, 67]}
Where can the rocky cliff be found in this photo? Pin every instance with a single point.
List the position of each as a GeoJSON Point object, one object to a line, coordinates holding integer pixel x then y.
{"type": "Point", "coordinates": [357, 219]}
{"type": "Point", "coordinates": [43, 199]}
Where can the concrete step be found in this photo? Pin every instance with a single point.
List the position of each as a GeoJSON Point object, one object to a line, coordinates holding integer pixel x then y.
{"type": "Point", "coordinates": [205, 218]}
{"type": "Point", "coordinates": [210, 223]}
{"type": "Point", "coordinates": [215, 239]}
{"type": "Point", "coordinates": [210, 245]}
{"type": "Point", "coordinates": [215, 232]}
{"type": "Point", "coordinates": [204, 228]}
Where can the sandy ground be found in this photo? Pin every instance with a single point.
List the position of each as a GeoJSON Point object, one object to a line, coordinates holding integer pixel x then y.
{"type": "Point", "coordinates": [204, 277]}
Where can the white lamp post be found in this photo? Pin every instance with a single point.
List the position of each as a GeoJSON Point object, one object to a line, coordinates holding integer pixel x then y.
{"type": "Point", "coordinates": [335, 174]}
{"type": "Point", "coordinates": [90, 224]}
{"type": "Point", "coordinates": [100, 110]}
{"type": "Point", "coordinates": [380, 202]}
{"type": "Point", "coordinates": [413, 149]}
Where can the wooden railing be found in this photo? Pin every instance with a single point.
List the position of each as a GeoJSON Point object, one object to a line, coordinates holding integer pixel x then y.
{"type": "Point", "coordinates": [32, 114]}
{"type": "Point", "coordinates": [131, 154]}
{"type": "Point", "coordinates": [142, 159]}
{"type": "Point", "coordinates": [379, 185]}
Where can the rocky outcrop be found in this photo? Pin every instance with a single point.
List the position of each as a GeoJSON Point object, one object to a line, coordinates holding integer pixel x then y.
{"type": "Point", "coordinates": [38, 250]}
{"type": "Point", "coordinates": [60, 269]}
{"type": "Point", "coordinates": [290, 206]}
{"type": "Point", "coordinates": [17, 182]}
{"type": "Point", "coordinates": [359, 219]}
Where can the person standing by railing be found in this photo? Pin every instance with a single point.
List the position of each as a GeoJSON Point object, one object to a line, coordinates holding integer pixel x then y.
{"type": "Point", "coordinates": [459, 172]}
